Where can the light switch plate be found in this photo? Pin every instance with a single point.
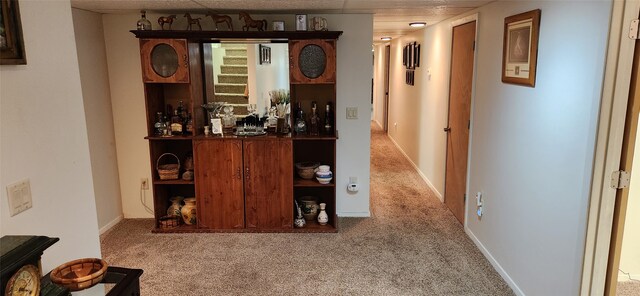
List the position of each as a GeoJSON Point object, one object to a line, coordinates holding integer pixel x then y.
{"type": "Point", "coordinates": [19, 195]}
{"type": "Point", "coordinates": [352, 112]}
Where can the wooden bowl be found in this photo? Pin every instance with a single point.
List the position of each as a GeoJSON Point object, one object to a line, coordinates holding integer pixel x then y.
{"type": "Point", "coordinates": [307, 170]}
{"type": "Point", "coordinates": [79, 274]}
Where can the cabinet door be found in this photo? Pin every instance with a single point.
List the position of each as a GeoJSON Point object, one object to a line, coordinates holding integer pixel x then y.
{"type": "Point", "coordinates": [312, 61]}
{"type": "Point", "coordinates": [269, 183]}
{"type": "Point", "coordinates": [164, 60]}
{"type": "Point", "coordinates": [219, 191]}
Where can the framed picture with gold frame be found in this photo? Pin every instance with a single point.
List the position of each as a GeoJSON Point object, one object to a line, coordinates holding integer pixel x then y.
{"type": "Point", "coordinates": [11, 43]}
{"type": "Point", "coordinates": [520, 48]}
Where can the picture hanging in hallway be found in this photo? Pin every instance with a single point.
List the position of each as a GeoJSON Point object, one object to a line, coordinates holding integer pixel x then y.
{"type": "Point", "coordinates": [411, 60]}
{"type": "Point", "coordinates": [520, 48]}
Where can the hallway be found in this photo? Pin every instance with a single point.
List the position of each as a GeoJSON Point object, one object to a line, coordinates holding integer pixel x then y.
{"type": "Point", "coordinates": [412, 245]}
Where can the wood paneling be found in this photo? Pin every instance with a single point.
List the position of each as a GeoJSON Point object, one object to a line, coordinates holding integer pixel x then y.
{"type": "Point", "coordinates": [219, 184]}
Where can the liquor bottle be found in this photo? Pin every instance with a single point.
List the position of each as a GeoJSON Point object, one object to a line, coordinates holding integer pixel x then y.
{"type": "Point", "coordinates": [328, 120]}
{"type": "Point", "coordinates": [188, 125]}
{"type": "Point", "coordinates": [314, 121]}
{"type": "Point", "coordinates": [143, 22]}
{"type": "Point", "coordinates": [180, 109]}
{"type": "Point", "coordinates": [159, 126]}
{"type": "Point", "coordinates": [300, 124]}
{"type": "Point", "coordinates": [176, 123]}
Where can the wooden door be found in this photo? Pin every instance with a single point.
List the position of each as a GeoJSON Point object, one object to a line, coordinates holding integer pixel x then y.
{"type": "Point", "coordinates": [462, 61]}
{"type": "Point", "coordinates": [387, 58]}
{"type": "Point", "coordinates": [164, 60]}
{"type": "Point", "coordinates": [268, 183]}
{"type": "Point", "coordinates": [312, 61]}
{"type": "Point", "coordinates": [219, 186]}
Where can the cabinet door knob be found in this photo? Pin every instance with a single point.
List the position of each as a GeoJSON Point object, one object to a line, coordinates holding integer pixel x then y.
{"type": "Point", "coordinates": [239, 173]}
{"type": "Point", "coordinates": [247, 175]}
{"type": "Point", "coordinates": [186, 61]}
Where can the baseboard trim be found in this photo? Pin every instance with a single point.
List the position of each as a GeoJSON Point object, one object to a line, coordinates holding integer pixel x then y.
{"type": "Point", "coordinates": [494, 263]}
{"type": "Point", "coordinates": [377, 123]}
{"type": "Point", "coordinates": [625, 278]}
{"type": "Point", "coordinates": [109, 225]}
{"type": "Point", "coordinates": [354, 214]}
{"type": "Point", "coordinates": [415, 167]}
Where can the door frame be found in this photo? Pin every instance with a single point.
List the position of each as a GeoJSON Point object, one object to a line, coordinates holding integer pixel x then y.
{"type": "Point", "coordinates": [609, 140]}
{"type": "Point", "coordinates": [455, 23]}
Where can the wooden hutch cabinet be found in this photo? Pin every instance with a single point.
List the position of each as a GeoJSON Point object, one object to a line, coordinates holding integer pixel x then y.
{"type": "Point", "coordinates": [241, 184]}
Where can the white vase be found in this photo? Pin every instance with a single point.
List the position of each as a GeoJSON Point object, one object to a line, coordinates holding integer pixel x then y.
{"type": "Point", "coordinates": [323, 218]}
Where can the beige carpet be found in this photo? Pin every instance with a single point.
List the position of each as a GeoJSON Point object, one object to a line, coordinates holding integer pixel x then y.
{"type": "Point", "coordinates": [628, 288]}
{"type": "Point", "coordinates": [412, 245]}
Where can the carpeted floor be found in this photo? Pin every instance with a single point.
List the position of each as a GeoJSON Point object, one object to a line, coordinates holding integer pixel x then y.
{"type": "Point", "coordinates": [412, 245]}
{"type": "Point", "coordinates": [628, 288]}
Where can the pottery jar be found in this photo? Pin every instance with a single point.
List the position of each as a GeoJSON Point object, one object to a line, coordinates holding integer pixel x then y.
{"type": "Point", "coordinates": [176, 205]}
{"type": "Point", "coordinates": [189, 211]}
{"type": "Point", "coordinates": [323, 218]}
{"type": "Point", "coordinates": [309, 207]}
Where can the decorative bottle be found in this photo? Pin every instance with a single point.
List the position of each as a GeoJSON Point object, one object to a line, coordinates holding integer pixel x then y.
{"type": "Point", "coordinates": [300, 124]}
{"type": "Point", "coordinates": [159, 126]}
{"type": "Point", "coordinates": [176, 123]}
{"type": "Point", "coordinates": [323, 218]}
{"type": "Point", "coordinates": [328, 120]}
{"type": "Point", "coordinates": [314, 121]}
{"type": "Point", "coordinates": [143, 22]}
{"type": "Point", "coordinates": [176, 205]}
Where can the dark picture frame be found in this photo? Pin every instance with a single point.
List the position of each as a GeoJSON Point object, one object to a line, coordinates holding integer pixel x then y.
{"type": "Point", "coordinates": [265, 54]}
{"type": "Point", "coordinates": [11, 41]}
{"type": "Point", "coordinates": [520, 48]}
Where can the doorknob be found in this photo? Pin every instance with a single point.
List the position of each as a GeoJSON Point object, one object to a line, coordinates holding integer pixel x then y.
{"type": "Point", "coordinates": [447, 129]}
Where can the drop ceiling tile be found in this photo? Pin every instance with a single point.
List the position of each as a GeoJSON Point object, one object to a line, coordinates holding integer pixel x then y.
{"type": "Point", "coordinates": [114, 6]}
{"type": "Point", "coordinates": [273, 5]}
{"type": "Point", "coordinates": [410, 4]}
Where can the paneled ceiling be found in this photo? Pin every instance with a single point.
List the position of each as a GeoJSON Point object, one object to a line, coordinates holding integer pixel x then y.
{"type": "Point", "coordinates": [390, 17]}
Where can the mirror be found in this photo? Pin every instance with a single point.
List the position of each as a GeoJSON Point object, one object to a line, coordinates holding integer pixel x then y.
{"type": "Point", "coordinates": [164, 60]}
{"type": "Point", "coordinates": [245, 74]}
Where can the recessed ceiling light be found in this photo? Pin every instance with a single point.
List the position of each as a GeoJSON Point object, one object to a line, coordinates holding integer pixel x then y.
{"type": "Point", "coordinates": [385, 38]}
{"type": "Point", "coordinates": [417, 24]}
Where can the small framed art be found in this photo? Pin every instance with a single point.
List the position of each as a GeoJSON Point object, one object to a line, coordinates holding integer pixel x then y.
{"type": "Point", "coordinates": [277, 25]}
{"type": "Point", "coordinates": [520, 48]}
{"type": "Point", "coordinates": [301, 22]}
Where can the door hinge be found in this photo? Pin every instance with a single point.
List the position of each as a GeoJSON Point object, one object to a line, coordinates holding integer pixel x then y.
{"type": "Point", "coordinates": [474, 45]}
{"type": "Point", "coordinates": [620, 179]}
{"type": "Point", "coordinates": [633, 29]}
{"type": "Point", "coordinates": [465, 197]}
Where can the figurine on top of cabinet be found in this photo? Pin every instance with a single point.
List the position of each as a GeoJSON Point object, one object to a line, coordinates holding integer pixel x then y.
{"type": "Point", "coordinates": [166, 20]}
{"type": "Point", "coordinates": [192, 21]}
{"type": "Point", "coordinates": [219, 18]}
{"type": "Point", "coordinates": [261, 25]}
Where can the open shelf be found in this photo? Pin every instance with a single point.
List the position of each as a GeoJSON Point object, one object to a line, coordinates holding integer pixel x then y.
{"type": "Point", "coordinates": [173, 182]}
{"type": "Point", "coordinates": [299, 182]}
{"type": "Point", "coordinates": [314, 226]}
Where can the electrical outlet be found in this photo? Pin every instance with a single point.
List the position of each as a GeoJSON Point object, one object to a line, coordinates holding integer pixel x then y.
{"type": "Point", "coordinates": [144, 183]}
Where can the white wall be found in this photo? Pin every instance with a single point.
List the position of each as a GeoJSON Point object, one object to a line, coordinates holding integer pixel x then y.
{"type": "Point", "coordinates": [99, 119]}
{"type": "Point", "coordinates": [271, 76]}
{"type": "Point", "coordinates": [44, 137]}
{"type": "Point", "coordinates": [129, 116]}
{"type": "Point", "coordinates": [353, 90]}
{"type": "Point", "coordinates": [532, 149]}
{"type": "Point", "coordinates": [630, 256]}
{"type": "Point", "coordinates": [418, 113]}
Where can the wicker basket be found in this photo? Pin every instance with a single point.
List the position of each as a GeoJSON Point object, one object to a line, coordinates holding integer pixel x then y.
{"type": "Point", "coordinates": [168, 222]}
{"type": "Point", "coordinates": [79, 274]}
{"type": "Point", "coordinates": [168, 171]}
{"type": "Point", "coordinates": [307, 170]}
